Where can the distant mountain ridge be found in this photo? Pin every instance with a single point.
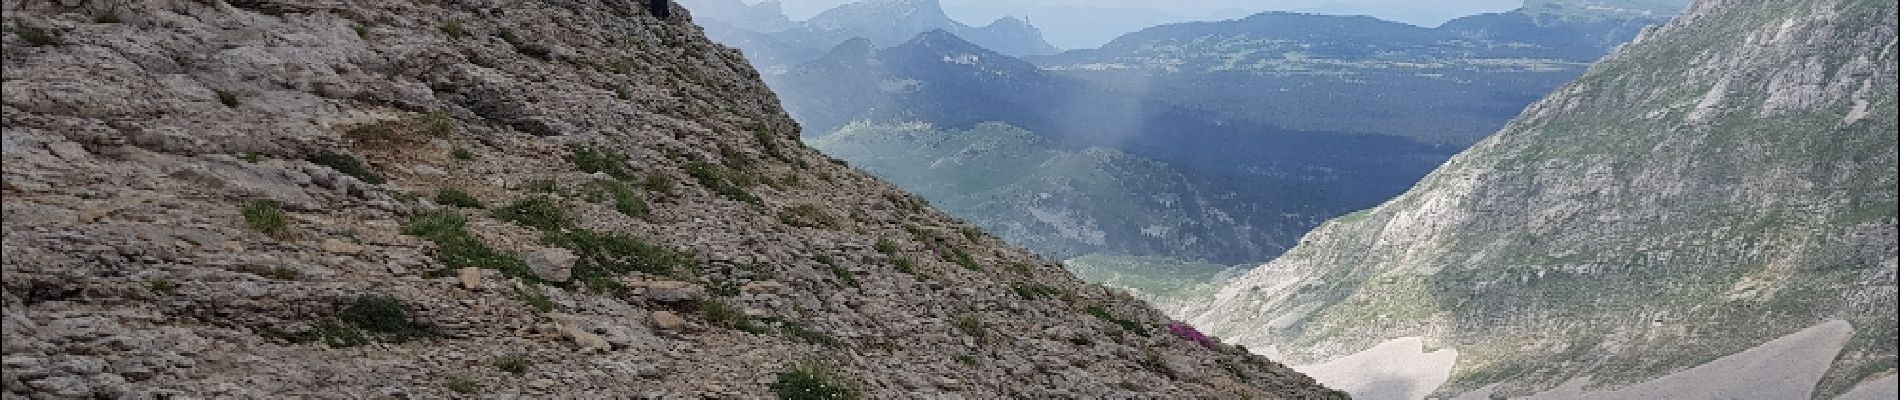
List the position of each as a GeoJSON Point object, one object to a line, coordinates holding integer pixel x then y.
{"type": "Point", "coordinates": [1451, 84]}
{"type": "Point", "coordinates": [884, 22]}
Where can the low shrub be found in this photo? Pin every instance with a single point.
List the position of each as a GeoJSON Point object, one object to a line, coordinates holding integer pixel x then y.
{"type": "Point", "coordinates": [454, 29]}
{"type": "Point", "coordinates": [457, 198]}
{"type": "Point", "coordinates": [1128, 325]}
{"type": "Point", "coordinates": [514, 363]}
{"type": "Point", "coordinates": [267, 217]}
{"type": "Point", "coordinates": [720, 314]}
{"type": "Point", "coordinates": [591, 159]}
{"type": "Point", "coordinates": [971, 325]}
{"type": "Point", "coordinates": [962, 258]}
{"type": "Point", "coordinates": [625, 200]}
{"type": "Point", "coordinates": [36, 36]}
{"type": "Point", "coordinates": [536, 211]}
{"type": "Point", "coordinates": [812, 381]}
{"type": "Point", "coordinates": [348, 165]}
{"type": "Point", "coordinates": [457, 249]}
{"type": "Point", "coordinates": [720, 182]}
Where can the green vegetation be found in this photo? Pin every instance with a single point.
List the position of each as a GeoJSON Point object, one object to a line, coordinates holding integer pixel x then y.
{"type": "Point", "coordinates": [719, 314]}
{"type": "Point", "coordinates": [800, 332]}
{"type": "Point", "coordinates": [382, 317]}
{"type": "Point", "coordinates": [1129, 325]}
{"type": "Point", "coordinates": [267, 217]}
{"type": "Point", "coordinates": [542, 186]}
{"type": "Point", "coordinates": [457, 198]}
{"type": "Point", "coordinates": [1150, 278]}
{"type": "Point", "coordinates": [885, 246]}
{"type": "Point", "coordinates": [462, 154]}
{"type": "Point", "coordinates": [438, 124]}
{"type": "Point", "coordinates": [461, 385]}
{"type": "Point", "coordinates": [962, 258]}
{"type": "Point", "coordinates": [658, 183]}
{"type": "Point", "coordinates": [227, 98]}
{"type": "Point", "coordinates": [457, 249]}
{"type": "Point", "coordinates": [162, 286]}
{"type": "Point", "coordinates": [810, 216]}
{"type": "Point", "coordinates": [534, 297]}
{"type": "Point", "coordinates": [362, 32]}
{"type": "Point", "coordinates": [536, 211]}
{"type": "Point", "coordinates": [603, 160]}
{"type": "Point", "coordinates": [812, 381]}
{"type": "Point", "coordinates": [454, 29]}
{"type": "Point", "coordinates": [514, 363]}
{"type": "Point", "coordinates": [966, 359]}
{"type": "Point", "coordinates": [721, 180]}
{"type": "Point", "coordinates": [844, 275]}
{"type": "Point", "coordinates": [604, 256]}
{"type": "Point", "coordinates": [364, 320]}
{"type": "Point", "coordinates": [905, 265]}
{"type": "Point", "coordinates": [107, 16]}
{"type": "Point", "coordinates": [36, 36]}
{"type": "Point", "coordinates": [1035, 291]}
{"type": "Point", "coordinates": [280, 273]}
{"type": "Point", "coordinates": [971, 325]}
{"type": "Point", "coordinates": [348, 165]}
{"type": "Point", "coordinates": [625, 200]}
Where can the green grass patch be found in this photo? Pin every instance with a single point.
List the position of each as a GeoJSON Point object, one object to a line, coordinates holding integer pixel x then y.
{"type": "Point", "coordinates": [1128, 325]}
{"type": "Point", "coordinates": [457, 249]}
{"type": "Point", "coordinates": [454, 29]}
{"type": "Point", "coordinates": [800, 332]}
{"type": "Point", "coordinates": [536, 211]}
{"type": "Point", "coordinates": [517, 363]}
{"type": "Point", "coordinates": [534, 297]}
{"type": "Point", "coordinates": [812, 381]}
{"type": "Point", "coordinates": [721, 181]}
{"type": "Point", "coordinates": [267, 217]}
{"type": "Point", "coordinates": [591, 159]}
{"type": "Point", "coordinates": [365, 320]}
{"type": "Point", "coordinates": [457, 198]}
{"type": "Point", "coordinates": [722, 315]}
{"type": "Point", "coordinates": [348, 165]}
{"type": "Point", "coordinates": [963, 259]}
{"type": "Point", "coordinates": [461, 385]}
{"type": "Point", "coordinates": [625, 200]}
{"type": "Point", "coordinates": [605, 256]}
{"type": "Point", "coordinates": [810, 216]}
{"type": "Point", "coordinates": [162, 286]}
{"type": "Point", "coordinates": [36, 36]}
{"type": "Point", "coordinates": [971, 325]}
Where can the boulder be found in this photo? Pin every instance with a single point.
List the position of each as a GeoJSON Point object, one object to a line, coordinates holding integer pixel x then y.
{"type": "Point", "coordinates": [674, 292]}
{"type": "Point", "coordinates": [552, 264]}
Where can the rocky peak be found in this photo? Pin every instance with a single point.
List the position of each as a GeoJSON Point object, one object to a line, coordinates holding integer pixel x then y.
{"type": "Point", "coordinates": [1723, 183]}
{"type": "Point", "coordinates": [374, 199]}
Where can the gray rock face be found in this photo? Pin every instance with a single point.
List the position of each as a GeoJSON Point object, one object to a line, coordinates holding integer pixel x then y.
{"type": "Point", "coordinates": [554, 265]}
{"type": "Point", "coordinates": [1724, 181]}
{"type": "Point", "coordinates": [222, 199]}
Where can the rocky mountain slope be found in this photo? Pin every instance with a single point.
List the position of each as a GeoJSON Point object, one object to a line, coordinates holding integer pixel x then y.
{"type": "Point", "coordinates": [484, 198]}
{"type": "Point", "coordinates": [1724, 181]}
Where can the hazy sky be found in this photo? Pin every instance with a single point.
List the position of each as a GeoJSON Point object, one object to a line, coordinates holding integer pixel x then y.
{"type": "Point", "coordinates": [1073, 24]}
